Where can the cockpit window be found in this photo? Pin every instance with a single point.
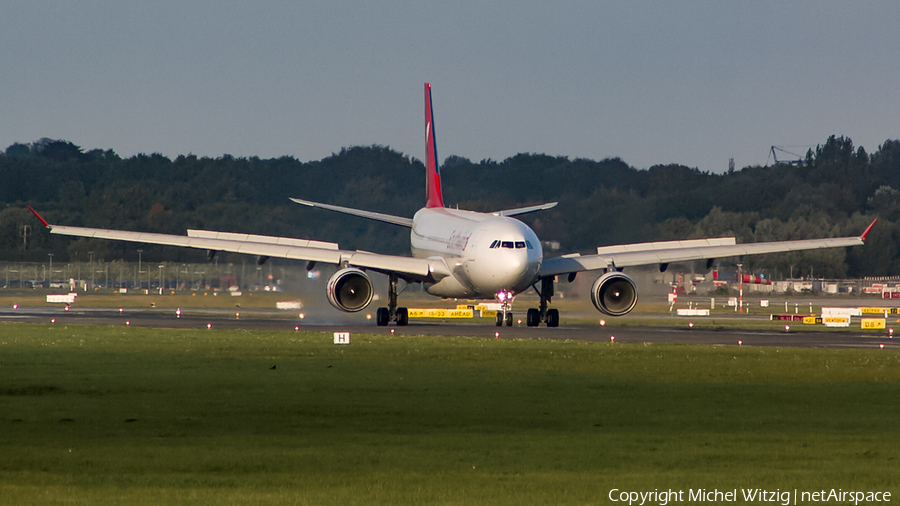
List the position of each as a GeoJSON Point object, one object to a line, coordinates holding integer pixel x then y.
{"type": "Point", "coordinates": [511, 244]}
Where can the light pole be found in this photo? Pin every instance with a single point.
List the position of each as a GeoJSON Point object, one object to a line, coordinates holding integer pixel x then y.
{"type": "Point", "coordinates": [140, 251]}
{"type": "Point", "coordinates": [50, 274]}
{"type": "Point", "coordinates": [161, 266]}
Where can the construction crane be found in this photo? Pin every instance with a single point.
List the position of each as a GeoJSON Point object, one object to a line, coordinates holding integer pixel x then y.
{"type": "Point", "coordinates": [798, 161]}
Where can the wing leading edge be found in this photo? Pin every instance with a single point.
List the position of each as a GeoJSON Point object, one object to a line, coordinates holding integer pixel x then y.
{"type": "Point", "coordinates": [663, 253]}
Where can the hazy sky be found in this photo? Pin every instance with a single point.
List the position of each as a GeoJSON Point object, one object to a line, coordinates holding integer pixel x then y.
{"type": "Point", "coordinates": [693, 83]}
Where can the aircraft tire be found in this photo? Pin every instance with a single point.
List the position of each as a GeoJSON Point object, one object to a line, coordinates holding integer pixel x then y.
{"type": "Point", "coordinates": [402, 317]}
{"type": "Point", "coordinates": [509, 319]}
{"type": "Point", "coordinates": [533, 318]}
{"type": "Point", "coordinates": [382, 316]}
{"type": "Point", "coordinates": [553, 317]}
{"type": "Point", "coordinates": [499, 319]}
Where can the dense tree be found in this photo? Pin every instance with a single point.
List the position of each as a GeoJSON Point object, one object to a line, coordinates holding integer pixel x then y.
{"type": "Point", "coordinates": [837, 190]}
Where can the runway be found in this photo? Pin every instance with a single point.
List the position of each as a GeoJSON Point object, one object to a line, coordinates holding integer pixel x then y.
{"type": "Point", "coordinates": [262, 320]}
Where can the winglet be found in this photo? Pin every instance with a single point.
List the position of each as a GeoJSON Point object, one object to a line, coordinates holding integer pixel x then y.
{"type": "Point", "coordinates": [39, 217]}
{"type": "Point", "coordinates": [864, 234]}
{"type": "Point", "coordinates": [432, 168]}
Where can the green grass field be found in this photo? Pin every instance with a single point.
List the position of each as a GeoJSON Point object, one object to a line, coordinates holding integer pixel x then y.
{"type": "Point", "coordinates": [119, 415]}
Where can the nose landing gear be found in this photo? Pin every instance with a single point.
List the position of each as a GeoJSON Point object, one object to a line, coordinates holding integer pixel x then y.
{"type": "Point", "coordinates": [504, 315]}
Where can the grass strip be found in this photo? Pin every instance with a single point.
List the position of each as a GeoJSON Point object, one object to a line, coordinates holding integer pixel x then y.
{"type": "Point", "coordinates": [113, 415]}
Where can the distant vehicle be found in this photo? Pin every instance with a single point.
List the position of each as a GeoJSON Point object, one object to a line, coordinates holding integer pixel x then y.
{"type": "Point", "coordinates": [464, 254]}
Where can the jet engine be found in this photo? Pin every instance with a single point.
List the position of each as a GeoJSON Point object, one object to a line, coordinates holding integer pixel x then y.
{"type": "Point", "coordinates": [614, 294]}
{"type": "Point", "coordinates": [350, 290]}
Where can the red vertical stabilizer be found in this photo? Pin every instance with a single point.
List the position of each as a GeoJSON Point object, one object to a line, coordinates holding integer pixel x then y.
{"type": "Point", "coordinates": [432, 169]}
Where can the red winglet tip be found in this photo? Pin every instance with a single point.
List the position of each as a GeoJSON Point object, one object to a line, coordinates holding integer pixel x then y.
{"type": "Point", "coordinates": [39, 217]}
{"type": "Point", "coordinates": [864, 234]}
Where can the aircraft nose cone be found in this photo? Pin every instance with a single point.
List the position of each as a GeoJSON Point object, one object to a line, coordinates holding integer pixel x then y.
{"type": "Point", "coordinates": [512, 270]}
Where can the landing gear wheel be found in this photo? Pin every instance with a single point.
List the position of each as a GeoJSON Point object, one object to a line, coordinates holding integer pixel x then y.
{"type": "Point", "coordinates": [533, 318]}
{"type": "Point", "coordinates": [553, 317]}
{"type": "Point", "coordinates": [382, 316]}
{"type": "Point", "coordinates": [509, 319]}
{"type": "Point", "coordinates": [499, 319]}
{"type": "Point", "coordinates": [402, 317]}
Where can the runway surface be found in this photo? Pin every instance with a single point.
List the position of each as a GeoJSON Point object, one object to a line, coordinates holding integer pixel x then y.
{"type": "Point", "coordinates": [222, 319]}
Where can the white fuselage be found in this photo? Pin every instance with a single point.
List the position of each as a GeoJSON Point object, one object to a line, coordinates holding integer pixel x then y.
{"type": "Point", "coordinates": [485, 253]}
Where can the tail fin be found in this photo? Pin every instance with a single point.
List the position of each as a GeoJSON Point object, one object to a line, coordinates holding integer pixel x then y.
{"type": "Point", "coordinates": [432, 168]}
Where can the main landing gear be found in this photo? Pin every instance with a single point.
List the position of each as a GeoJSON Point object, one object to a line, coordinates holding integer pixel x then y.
{"type": "Point", "coordinates": [392, 313]}
{"type": "Point", "coordinates": [549, 316]}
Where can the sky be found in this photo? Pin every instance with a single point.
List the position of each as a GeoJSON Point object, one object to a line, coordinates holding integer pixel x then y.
{"type": "Point", "coordinates": [650, 82]}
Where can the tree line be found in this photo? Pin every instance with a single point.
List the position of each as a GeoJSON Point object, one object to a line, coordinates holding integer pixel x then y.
{"type": "Point", "coordinates": [836, 190]}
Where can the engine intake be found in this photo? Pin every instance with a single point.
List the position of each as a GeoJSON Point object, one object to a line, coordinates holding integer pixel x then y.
{"type": "Point", "coordinates": [350, 290]}
{"type": "Point", "coordinates": [614, 294]}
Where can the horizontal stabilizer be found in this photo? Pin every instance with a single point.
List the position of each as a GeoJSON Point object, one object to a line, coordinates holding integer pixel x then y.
{"type": "Point", "coordinates": [387, 218]}
{"type": "Point", "coordinates": [524, 210]}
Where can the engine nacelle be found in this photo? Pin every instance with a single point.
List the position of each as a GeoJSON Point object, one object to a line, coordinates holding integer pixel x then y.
{"type": "Point", "coordinates": [350, 290]}
{"type": "Point", "coordinates": [614, 294]}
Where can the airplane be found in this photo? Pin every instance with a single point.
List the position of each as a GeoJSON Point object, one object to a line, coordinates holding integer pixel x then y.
{"type": "Point", "coordinates": [464, 254]}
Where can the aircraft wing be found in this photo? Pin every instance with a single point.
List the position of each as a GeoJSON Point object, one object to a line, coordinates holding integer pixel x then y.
{"type": "Point", "coordinates": [270, 246]}
{"type": "Point", "coordinates": [613, 257]}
